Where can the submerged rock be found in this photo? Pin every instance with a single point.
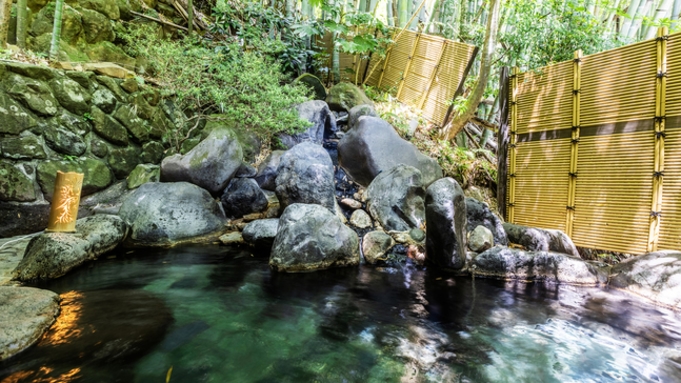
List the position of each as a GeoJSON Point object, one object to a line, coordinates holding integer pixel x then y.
{"type": "Point", "coordinates": [374, 146]}
{"type": "Point", "coordinates": [261, 232]}
{"type": "Point", "coordinates": [654, 276]}
{"type": "Point", "coordinates": [319, 115]}
{"type": "Point", "coordinates": [535, 239]}
{"type": "Point", "coordinates": [446, 218]}
{"type": "Point", "coordinates": [310, 237]}
{"type": "Point", "coordinates": [211, 164]}
{"type": "Point", "coordinates": [479, 214]}
{"type": "Point", "coordinates": [540, 266]}
{"type": "Point", "coordinates": [27, 312]}
{"type": "Point", "coordinates": [395, 198]}
{"type": "Point", "coordinates": [306, 176]}
{"type": "Point", "coordinates": [51, 255]}
{"type": "Point", "coordinates": [167, 213]}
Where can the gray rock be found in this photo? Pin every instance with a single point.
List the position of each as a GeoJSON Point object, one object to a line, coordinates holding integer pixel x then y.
{"type": "Point", "coordinates": [261, 233]}
{"type": "Point", "coordinates": [316, 112]}
{"type": "Point", "coordinates": [351, 203]}
{"type": "Point", "coordinates": [22, 148]}
{"type": "Point", "coordinates": [167, 213]}
{"type": "Point", "coordinates": [125, 114]}
{"type": "Point", "coordinates": [344, 96]}
{"type": "Point", "coordinates": [310, 237]}
{"type": "Point", "coordinates": [246, 170]}
{"type": "Point", "coordinates": [358, 111]}
{"type": "Point", "coordinates": [99, 148]}
{"type": "Point", "coordinates": [375, 246]}
{"type": "Point", "coordinates": [96, 27]}
{"type": "Point", "coordinates": [142, 174]}
{"type": "Point", "coordinates": [479, 214]}
{"type": "Point", "coordinates": [360, 219]}
{"type": "Point", "coordinates": [112, 85]}
{"type": "Point", "coordinates": [71, 95]}
{"type": "Point", "coordinates": [373, 146]}
{"type": "Point", "coordinates": [211, 164]}
{"type": "Point", "coordinates": [107, 201]}
{"type": "Point", "coordinates": [653, 276]}
{"type": "Point", "coordinates": [305, 175]}
{"type": "Point", "coordinates": [23, 218]}
{"type": "Point", "coordinates": [78, 124]}
{"type": "Point", "coordinates": [37, 72]}
{"type": "Point", "coordinates": [123, 160]}
{"type": "Point", "coordinates": [232, 238]}
{"type": "Point", "coordinates": [267, 170]}
{"type": "Point", "coordinates": [446, 217]}
{"type": "Point", "coordinates": [82, 78]}
{"type": "Point", "coordinates": [15, 185]}
{"type": "Point", "coordinates": [152, 153]}
{"type": "Point", "coordinates": [62, 140]}
{"type": "Point", "coordinates": [14, 117]}
{"type": "Point", "coordinates": [108, 128]}
{"type": "Point", "coordinates": [535, 239]}
{"type": "Point", "coordinates": [27, 312]}
{"type": "Point", "coordinates": [36, 95]}
{"type": "Point", "coordinates": [480, 239]}
{"type": "Point", "coordinates": [104, 99]}
{"type": "Point", "coordinates": [540, 266]}
{"type": "Point", "coordinates": [96, 175]}
{"type": "Point", "coordinates": [395, 198]}
{"type": "Point", "coordinates": [51, 255]}
{"type": "Point", "coordinates": [243, 196]}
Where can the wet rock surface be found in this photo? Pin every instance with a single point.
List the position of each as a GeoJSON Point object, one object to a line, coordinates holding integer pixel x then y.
{"type": "Point", "coordinates": [318, 114]}
{"type": "Point", "coordinates": [446, 217]}
{"type": "Point", "coordinates": [653, 276]}
{"type": "Point", "coordinates": [536, 239]}
{"type": "Point", "coordinates": [243, 196]}
{"type": "Point", "coordinates": [395, 198]}
{"type": "Point", "coordinates": [261, 233]}
{"type": "Point", "coordinates": [305, 175]}
{"type": "Point", "coordinates": [479, 214]}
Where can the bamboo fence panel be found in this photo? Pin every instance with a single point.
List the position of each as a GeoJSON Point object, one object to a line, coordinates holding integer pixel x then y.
{"type": "Point", "coordinates": [545, 99]}
{"type": "Point", "coordinates": [542, 183]}
{"type": "Point", "coordinates": [614, 190]}
{"type": "Point", "coordinates": [673, 95]}
{"type": "Point", "coordinates": [618, 85]}
{"type": "Point", "coordinates": [453, 62]}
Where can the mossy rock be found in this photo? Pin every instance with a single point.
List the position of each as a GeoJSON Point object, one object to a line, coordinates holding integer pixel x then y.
{"type": "Point", "coordinates": [96, 175]}
{"type": "Point", "coordinates": [14, 117]}
{"type": "Point", "coordinates": [66, 52]}
{"type": "Point", "coordinates": [108, 128]}
{"type": "Point", "coordinates": [108, 52]}
{"type": "Point", "coordinates": [97, 27]}
{"type": "Point", "coordinates": [123, 160]}
{"type": "Point", "coordinates": [344, 96]}
{"type": "Point", "coordinates": [106, 7]}
{"type": "Point", "coordinates": [72, 23]}
{"type": "Point", "coordinates": [142, 174]}
{"type": "Point", "coordinates": [14, 184]}
{"type": "Point", "coordinates": [36, 95]}
{"type": "Point", "coordinates": [315, 84]}
{"type": "Point", "coordinates": [23, 148]}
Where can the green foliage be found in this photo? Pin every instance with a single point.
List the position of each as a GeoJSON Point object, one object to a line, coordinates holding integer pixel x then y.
{"type": "Point", "coordinates": [205, 78]}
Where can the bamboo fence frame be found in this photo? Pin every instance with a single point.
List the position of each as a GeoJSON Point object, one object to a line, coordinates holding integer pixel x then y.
{"type": "Point", "coordinates": [421, 70]}
{"type": "Point", "coordinates": [595, 147]}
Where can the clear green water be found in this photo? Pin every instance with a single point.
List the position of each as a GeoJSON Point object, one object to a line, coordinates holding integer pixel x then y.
{"type": "Point", "coordinates": [220, 315]}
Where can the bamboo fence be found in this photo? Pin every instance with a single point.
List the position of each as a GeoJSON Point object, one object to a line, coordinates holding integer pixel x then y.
{"type": "Point", "coordinates": [421, 70]}
{"type": "Point", "coordinates": [595, 147]}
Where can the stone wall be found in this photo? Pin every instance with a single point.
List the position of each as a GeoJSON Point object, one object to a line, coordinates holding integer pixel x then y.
{"type": "Point", "coordinates": [54, 120]}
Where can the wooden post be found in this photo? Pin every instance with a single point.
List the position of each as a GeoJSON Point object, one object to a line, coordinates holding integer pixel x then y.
{"type": "Point", "coordinates": [658, 164]}
{"type": "Point", "coordinates": [502, 141]}
{"type": "Point", "coordinates": [65, 201]}
{"type": "Point", "coordinates": [410, 59]}
{"type": "Point", "coordinates": [433, 75]}
{"type": "Point", "coordinates": [513, 150]}
{"type": "Point", "coordinates": [574, 144]}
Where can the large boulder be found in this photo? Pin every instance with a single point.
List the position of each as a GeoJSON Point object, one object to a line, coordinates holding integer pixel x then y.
{"type": "Point", "coordinates": [261, 233]}
{"type": "Point", "coordinates": [27, 312]}
{"type": "Point", "coordinates": [267, 170]}
{"type": "Point", "coordinates": [535, 239]}
{"type": "Point", "coordinates": [540, 266]}
{"type": "Point", "coordinates": [358, 111]}
{"type": "Point", "coordinates": [243, 196]}
{"type": "Point", "coordinates": [51, 255]}
{"type": "Point", "coordinates": [305, 175]}
{"type": "Point", "coordinates": [374, 146]}
{"type": "Point", "coordinates": [96, 27]}
{"type": "Point", "coordinates": [168, 213]}
{"type": "Point", "coordinates": [319, 115]}
{"type": "Point", "coordinates": [211, 164]}
{"type": "Point", "coordinates": [344, 96]}
{"type": "Point", "coordinates": [395, 198]}
{"type": "Point", "coordinates": [654, 276]}
{"type": "Point", "coordinates": [446, 217]}
{"type": "Point", "coordinates": [479, 214]}
{"type": "Point", "coordinates": [310, 237]}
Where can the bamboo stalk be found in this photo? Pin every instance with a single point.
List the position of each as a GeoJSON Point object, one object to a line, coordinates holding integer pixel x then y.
{"type": "Point", "coordinates": [574, 147]}
{"type": "Point", "coordinates": [407, 66]}
{"type": "Point", "coordinates": [513, 150]}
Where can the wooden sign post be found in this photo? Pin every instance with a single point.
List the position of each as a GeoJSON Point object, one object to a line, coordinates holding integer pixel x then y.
{"type": "Point", "coordinates": [65, 201]}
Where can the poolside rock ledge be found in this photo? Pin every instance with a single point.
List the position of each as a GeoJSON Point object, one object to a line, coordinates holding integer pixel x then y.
{"type": "Point", "coordinates": [27, 312]}
{"type": "Point", "coordinates": [653, 276]}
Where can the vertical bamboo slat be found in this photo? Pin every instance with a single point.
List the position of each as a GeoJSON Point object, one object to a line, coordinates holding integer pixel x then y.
{"type": "Point", "coordinates": [512, 145]}
{"type": "Point", "coordinates": [660, 110]}
{"type": "Point", "coordinates": [574, 148]}
{"type": "Point", "coordinates": [433, 75]}
{"type": "Point", "coordinates": [410, 60]}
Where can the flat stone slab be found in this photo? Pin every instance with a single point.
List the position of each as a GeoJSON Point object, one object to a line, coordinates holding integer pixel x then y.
{"type": "Point", "coordinates": [11, 252]}
{"type": "Point", "coordinates": [27, 312]}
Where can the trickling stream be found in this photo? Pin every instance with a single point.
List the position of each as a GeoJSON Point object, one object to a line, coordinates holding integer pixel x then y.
{"type": "Point", "coordinates": [216, 314]}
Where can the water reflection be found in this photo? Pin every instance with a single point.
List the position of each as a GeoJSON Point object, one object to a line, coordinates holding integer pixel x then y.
{"type": "Point", "coordinates": [221, 316]}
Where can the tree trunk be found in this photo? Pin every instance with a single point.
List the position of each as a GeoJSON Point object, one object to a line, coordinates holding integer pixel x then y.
{"type": "Point", "coordinates": [662, 11]}
{"type": "Point", "coordinates": [675, 11]}
{"type": "Point", "coordinates": [5, 14]}
{"type": "Point", "coordinates": [190, 17]}
{"type": "Point", "coordinates": [629, 20]}
{"type": "Point", "coordinates": [22, 23]}
{"type": "Point", "coordinates": [641, 12]}
{"type": "Point", "coordinates": [56, 30]}
{"type": "Point", "coordinates": [389, 13]}
{"type": "Point", "coordinates": [402, 12]}
{"type": "Point", "coordinates": [451, 129]}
